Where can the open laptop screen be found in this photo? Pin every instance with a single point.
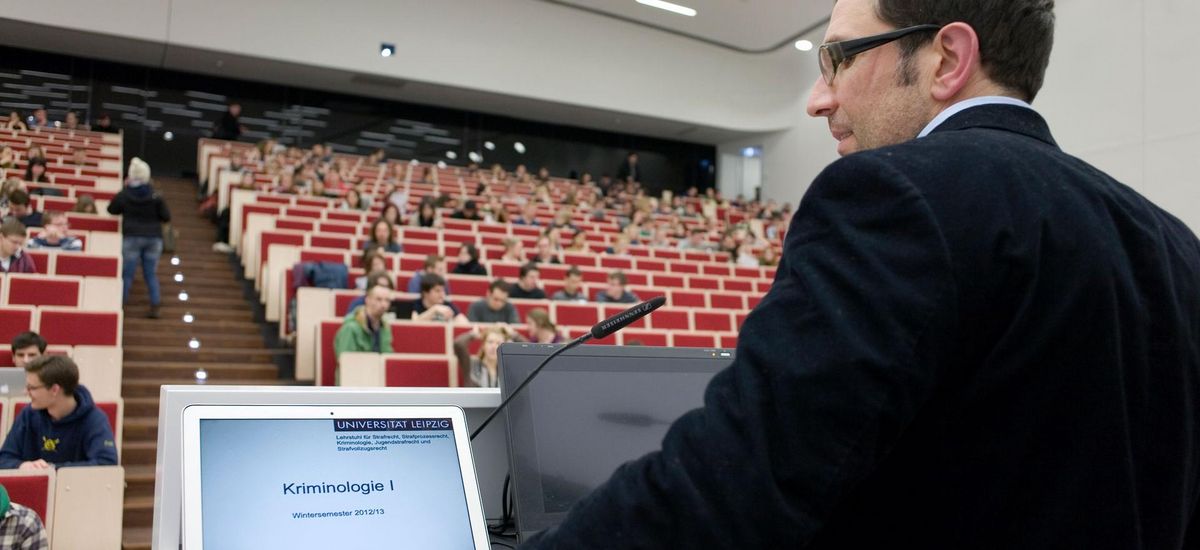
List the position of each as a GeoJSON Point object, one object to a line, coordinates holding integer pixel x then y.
{"type": "Point", "coordinates": [337, 477]}
{"type": "Point", "coordinates": [591, 410]}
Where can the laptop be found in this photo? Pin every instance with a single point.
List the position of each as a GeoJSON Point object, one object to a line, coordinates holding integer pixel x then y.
{"type": "Point", "coordinates": [589, 411]}
{"type": "Point", "coordinates": [363, 477]}
{"type": "Point", "coordinates": [12, 381]}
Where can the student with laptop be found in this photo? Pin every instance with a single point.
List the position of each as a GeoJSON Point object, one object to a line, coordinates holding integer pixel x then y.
{"type": "Point", "coordinates": [61, 426]}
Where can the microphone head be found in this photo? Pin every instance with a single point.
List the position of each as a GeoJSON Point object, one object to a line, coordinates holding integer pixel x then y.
{"type": "Point", "coordinates": [619, 321]}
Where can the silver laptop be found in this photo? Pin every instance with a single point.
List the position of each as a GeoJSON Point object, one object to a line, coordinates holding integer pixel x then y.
{"type": "Point", "coordinates": [12, 381]}
{"type": "Point", "coordinates": [591, 410]}
{"type": "Point", "coordinates": [363, 477]}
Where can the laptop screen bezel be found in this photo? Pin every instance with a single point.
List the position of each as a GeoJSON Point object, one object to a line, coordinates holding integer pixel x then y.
{"type": "Point", "coordinates": [192, 528]}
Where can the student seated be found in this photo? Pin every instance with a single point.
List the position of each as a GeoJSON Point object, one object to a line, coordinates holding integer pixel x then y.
{"type": "Point", "coordinates": [495, 307]}
{"type": "Point", "coordinates": [61, 426]}
{"type": "Point", "coordinates": [20, 527]}
{"type": "Point", "coordinates": [13, 258]}
{"type": "Point", "coordinates": [432, 304]}
{"type": "Point", "coordinates": [480, 371]}
{"type": "Point", "coordinates": [468, 261]}
{"type": "Point", "coordinates": [22, 210]}
{"type": "Point", "coordinates": [615, 292]}
{"type": "Point", "coordinates": [26, 347]}
{"type": "Point", "coordinates": [54, 234]}
{"type": "Point", "coordinates": [375, 278]}
{"type": "Point", "coordinates": [527, 284]}
{"type": "Point", "coordinates": [572, 290]}
{"type": "Point", "coordinates": [364, 328]}
{"type": "Point", "coordinates": [434, 265]}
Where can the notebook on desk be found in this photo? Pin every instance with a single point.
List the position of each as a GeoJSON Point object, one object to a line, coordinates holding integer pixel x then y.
{"type": "Point", "coordinates": [591, 410]}
{"type": "Point", "coordinates": [369, 477]}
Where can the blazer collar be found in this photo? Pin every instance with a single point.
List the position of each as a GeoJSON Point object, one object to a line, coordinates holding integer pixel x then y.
{"type": "Point", "coordinates": [1009, 118]}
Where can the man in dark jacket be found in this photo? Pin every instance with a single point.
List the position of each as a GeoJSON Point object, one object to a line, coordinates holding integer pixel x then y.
{"type": "Point", "coordinates": [13, 258]}
{"type": "Point", "coordinates": [143, 212]}
{"type": "Point", "coordinates": [974, 339]}
{"type": "Point", "coordinates": [61, 426]}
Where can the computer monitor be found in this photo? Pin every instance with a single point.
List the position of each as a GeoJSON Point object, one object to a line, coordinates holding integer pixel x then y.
{"type": "Point", "coordinates": [592, 409]}
{"type": "Point", "coordinates": [491, 455]}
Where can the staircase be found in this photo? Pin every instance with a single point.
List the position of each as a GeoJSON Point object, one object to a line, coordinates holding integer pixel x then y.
{"type": "Point", "coordinates": [232, 348]}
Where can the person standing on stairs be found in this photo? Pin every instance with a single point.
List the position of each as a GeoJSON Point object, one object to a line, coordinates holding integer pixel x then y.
{"type": "Point", "coordinates": [143, 212]}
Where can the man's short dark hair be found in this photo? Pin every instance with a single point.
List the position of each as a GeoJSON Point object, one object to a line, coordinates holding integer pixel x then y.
{"type": "Point", "coordinates": [19, 197]}
{"type": "Point", "coordinates": [574, 272]}
{"type": "Point", "coordinates": [619, 277]}
{"type": "Point", "coordinates": [432, 261]}
{"type": "Point", "coordinates": [429, 281]}
{"type": "Point", "coordinates": [525, 269]}
{"type": "Point", "coordinates": [1015, 36]}
{"type": "Point", "coordinates": [56, 369]}
{"type": "Point", "coordinates": [499, 284]}
{"type": "Point", "coordinates": [29, 338]}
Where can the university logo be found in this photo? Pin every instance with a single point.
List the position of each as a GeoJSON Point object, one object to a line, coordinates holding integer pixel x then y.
{"type": "Point", "coordinates": [48, 444]}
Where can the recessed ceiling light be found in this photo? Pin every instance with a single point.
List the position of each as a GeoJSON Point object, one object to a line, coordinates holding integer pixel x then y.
{"type": "Point", "coordinates": [804, 45]}
{"type": "Point", "coordinates": [451, 155]}
{"type": "Point", "coordinates": [519, 147]}
{"type": "Point", "coordinates": [386, 50]}
{"type": "Point", "coordinates": [673, 8]}
{"type": "Point", "coordinates": [489, 146]}
{"type": "Point", "coordinates": [475, 157]}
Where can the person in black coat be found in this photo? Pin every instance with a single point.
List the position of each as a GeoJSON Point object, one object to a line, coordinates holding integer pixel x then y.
{"type": "Point", "coordinates": [468, 261]}
{"type": "Point", "coordinates": [974, 339]}
{"type": "Point", "coordinates": [143, 212]}
{"type": "Point", "coordinates": [230, 126]}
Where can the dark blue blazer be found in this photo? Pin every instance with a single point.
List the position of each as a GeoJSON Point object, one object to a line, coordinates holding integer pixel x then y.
{"type": "Point", "coordinates": [974, 340]}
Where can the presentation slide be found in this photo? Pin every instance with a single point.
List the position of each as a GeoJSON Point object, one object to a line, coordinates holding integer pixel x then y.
{"type": "Point", "coordinates": [344, 483]}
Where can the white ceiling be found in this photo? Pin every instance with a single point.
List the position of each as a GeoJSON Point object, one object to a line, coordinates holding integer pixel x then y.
{"type": "Point", "coordinates": [744, 25]}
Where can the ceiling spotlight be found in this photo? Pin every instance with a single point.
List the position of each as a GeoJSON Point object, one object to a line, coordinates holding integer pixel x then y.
{"type": "Point", "coordinates": [475, 157]}
{"type": "Point", "coordinates": [183, 296]}
{"type": "Point", "coordinates": [174, 260]}
{"type": "Point", "coordinates": [451, 155]}
{"type": "Point", "coordinates": [673, 8]}
{"type": "Point", "coordinates": [804, 45]}
{"type": "Point", "coordinates": [519, 147]}
{"type": "Point", "coordinates": [168, 135]}
{"type": "Point", "coordinates": [188, 317]}
{"type": "Point", "coordinates": [194, 343]}
{"type": "Point", "coordinates": [386, 50]}
{"type": "Point", "coordinates": [414, 162]}
{"type": "Point", "coordinates": [179, 277]}
{"type": "Point", "coordinates": [441, 164]}
{"type": "Point", "coordinates": [489, 146]}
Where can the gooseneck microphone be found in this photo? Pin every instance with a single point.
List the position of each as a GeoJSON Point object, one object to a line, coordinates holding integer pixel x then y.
{"type": "Point", "coordinates": [601, 330]}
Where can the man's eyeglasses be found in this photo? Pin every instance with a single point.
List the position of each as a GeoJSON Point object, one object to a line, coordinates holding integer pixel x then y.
{"type": "Point", "coordinates": [833, 54]}
{"type": "Point", "coordinates": [30, 387]}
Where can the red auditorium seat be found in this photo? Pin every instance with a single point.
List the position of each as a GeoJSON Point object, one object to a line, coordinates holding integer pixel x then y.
{"type": "Point", "coordinates": [525, 306]}
{"type": "Point", "coordinates": [468, 285]}
{"type": "Point", "coordinates": [667, 253]}
{"type": "Point", "coordinates": [415, 337]}
{"type": "Point", "coordinates": [703, 283]}
{"type": "Point", "coordinates": [301, 212]}
{"type": "Point", "coordinates": [269, 238]}
{"type": "Point", "coordinates": [687, 298]}
{"type": "Point", "coordinates": [637, 278]}
{"type": "Point", "coordinates": [716, 321]}
{"type": "Point", "coordinates": [331, 241]}
{"type": "Point", "coordinates": [417, 372]}
{"type": "Point", "coordinates": [729, 340]}
{"type": "Point", "coordinates": [671, 318]}
{"type": "Point", "coordinates": [616, 262]}
{"type": "Point", "coordinates": [80, 328]}
{"type": "Point", "coordinates": [41, 290]}
{"type": "Point", "coordinates": [294, 224]}
{"type": "Point", "coordinates": [725, 300]}
{"type": "Point", "coordinates": [341, 301]}
{"type": "Point", "coordinates": [337, 228]}
{"type": "Point", "coordinates": [31, 490]}
{"type": "Point", "coordinates": [5, 361]}
{"type": "Point", "coordinates": [551, 272]}
{"type": "Point", "coordinates": [85, 222]}
{"type": "Point", "coordinates": [665, 280]}
{"type": "Point", "coordinates": [421, 234]}
{"type": "Point", "coordinates": [337, 257]}
{"type": "Point", "coordinates": [684, 267]}
{"type": "Point", "coordinates": [355, 217]}
{"type": "Point", "coordinates": [60, 204]}
{"type": "Point", "coordinates": [655, 338]}
{"type": "Point", "coordinates": [739, 319]}
{"type": "Point", "coordinates": [746, 272]}
{"type": "Point", "coordinates": [13, 321]}
{"type": "Point", "coordinates": [426, 248]}
{"type": "Point", "coordinates": [752, 301]}
{"type": "Point", "coordinates": [646, 264]}
{"type": "Point", "coordinates": [274, 199]}
{"type": "Point", "coordinates": [692, 340]}
{"type": "Point", "coordinates": [738, 285]}
{"type": "Point", "coordinates": [576, 332]}
{"type": "Point", "coordinates": [79, 264]}
{"type": "Point", "coordinates": [722, 270]}
{"type": "Point", "coordinates": [579, 259]}
{"type": "Point", "coordinates": [579, 315]}
{"type": "Point", "coordinates": [41, 260]}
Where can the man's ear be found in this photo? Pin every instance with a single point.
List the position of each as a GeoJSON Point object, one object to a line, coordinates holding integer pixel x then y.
{"type": "Point", "coordinates": [957, 46]}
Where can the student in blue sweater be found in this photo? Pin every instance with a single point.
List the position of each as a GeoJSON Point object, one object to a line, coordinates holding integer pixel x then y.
{"type": "Point", "coordinates": [61, 426]}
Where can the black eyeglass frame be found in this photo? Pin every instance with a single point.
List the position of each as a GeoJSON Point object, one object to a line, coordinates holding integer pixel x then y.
{"type": "Point", "coordinates": [833, 54]}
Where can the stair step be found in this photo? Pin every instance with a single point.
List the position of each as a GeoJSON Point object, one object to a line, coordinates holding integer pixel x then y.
{"type": "Point", "coordinates": [139, 452]}
{"type": "Point", "coordinates": [178, 351]}
{"type": "Point", "coordinates": [243, 341]}
{"type": "Point", "coordinates": [201, 324]}
{"type": "Point", "coordinates": [185, 371]}
{"type": "Point", "coordinates": [139, 511]}
{"type": "Point", "coordinates": [139, 481]}
{"type": "Point", "coordinates": [136, 538]}
{"type": "Point", "coordinates": [140, 428]}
